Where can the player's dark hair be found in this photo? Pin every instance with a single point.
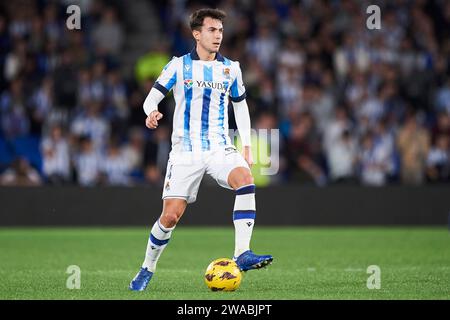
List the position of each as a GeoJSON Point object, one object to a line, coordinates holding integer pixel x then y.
{"type": "Point", "coordinates": [196, 19]}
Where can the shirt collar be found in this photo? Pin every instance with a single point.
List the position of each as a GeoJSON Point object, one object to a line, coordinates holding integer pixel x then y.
{"type": "Point", "coordinates": [194, 56]}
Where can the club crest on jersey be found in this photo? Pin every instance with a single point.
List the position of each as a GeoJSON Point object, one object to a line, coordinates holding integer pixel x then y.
{"type": "Point", "coordinates": [226, 73]}
{"type": "Point", "coordinates": [188, 83]}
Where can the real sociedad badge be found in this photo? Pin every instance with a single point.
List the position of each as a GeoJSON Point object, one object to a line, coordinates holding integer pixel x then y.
{"type": "Point", "coordinates": [226, 73]}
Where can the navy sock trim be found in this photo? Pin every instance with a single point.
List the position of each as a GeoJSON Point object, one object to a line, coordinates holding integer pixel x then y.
{"type": "Point", "coordinates": [246, 190]}
{"type": "Point", "coordinates": [157, 241]}
{"type": "Point", "coordinates": [244, 214]}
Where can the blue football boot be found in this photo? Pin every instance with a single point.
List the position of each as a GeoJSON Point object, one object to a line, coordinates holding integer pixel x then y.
{"type": "Point", "coordinates": [248, 261]}
{"type": "Point", "coordinates": [140, 282]}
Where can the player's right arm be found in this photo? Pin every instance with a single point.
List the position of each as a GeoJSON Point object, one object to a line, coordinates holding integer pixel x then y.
{"type": "Point", "coordinates": [162, 86]}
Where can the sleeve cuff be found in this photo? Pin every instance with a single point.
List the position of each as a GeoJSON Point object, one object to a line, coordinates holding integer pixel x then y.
{"type": "Point", "coordinates": [240, 98]}
{"type": "Point", "coordinates": [161, 88]}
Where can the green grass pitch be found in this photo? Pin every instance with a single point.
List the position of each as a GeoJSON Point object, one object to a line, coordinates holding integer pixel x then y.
{"type": "Point", "coordinates": [310, 263]}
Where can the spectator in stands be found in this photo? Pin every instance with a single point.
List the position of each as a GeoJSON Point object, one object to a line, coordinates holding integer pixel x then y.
{"type": "Point", "coordinates": [153, 175]}
{"type": "Point", "coordinates": [156, 154]}
{"type": "Point", "coordinates": [289, 93]}
{"type": "Point", "coordinates": [14, 117]}
{"type": "Point", "coordinates": [319, 103]}
{"type": "Point", "coordinates": [438, 160]}
{"type": "Point", "coordinates": [333, 132]}
{"type": "Point", "coordinates": [84, 90]}
{"type": "Point", "coordinates": [53, 26]}
{"type": "Point", "coordinates": [116, 96]}
{"type": "Point", "coordinates": [87, 162]}
{"type": "Point", "coordinates": [371, 108]}
{"type": "Point", "coordinates": [135, 107]}
{"type": "Point", "coordinates": [108, 34]}
{"type": "Point", "coordinates": [158, 147]}
{"type": "Point", "coordinates": [5, 43]}
{"type": "Point", "coordinates": [91, 123]}
{"type": "Point", "coordinates": [20, 174]}
{"type": "Point", "coordinates": [115, 167]}
{"type": "Point", "coordinates": [357, 89]}
{"type": "Point", "coordinates": [56, 157]}
{"type": "Point", "coordinates": [303, 151]}
{"type": "Point", "coordinates": [65, 80]}
{"type": "Point", "coordinates": [98, 81]}
{"type": "Point", "coordinates": [116, 104]}
{"type": "Point", "coordinates": [133, 150]}
{"type": "Point", "coordinates": [342, 156]}
{"type": "Point", "coordinates": [263, 47]}
{"type": "Point", "coordinates": [15, 60]}
{"type": "Point", "coordinates": [291, 55]}
{"type": "Point", "coordinates": [385, 142]}
{"type": "Point", "coordinates": [442, 126]}
{"type": "Point", "coordinates": [442, 98]}
{"type": "Point", "coordinates": [373, 163]}
{"type": "Point", "coordinates": [41, 104]}
{"type": "Point", "coordinates": [413, 143]}
{"type": "Point", "coordinates": [48, 57]}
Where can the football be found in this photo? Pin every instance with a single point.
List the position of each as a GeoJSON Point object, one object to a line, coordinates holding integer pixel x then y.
{"type": "Point", "coordinates": [223, 275]}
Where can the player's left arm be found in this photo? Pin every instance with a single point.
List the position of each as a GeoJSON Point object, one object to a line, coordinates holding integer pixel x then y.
{"type": "Point", "coordinates": [242, 115]}
{"type": "Point", "coordinates": [243, 123]}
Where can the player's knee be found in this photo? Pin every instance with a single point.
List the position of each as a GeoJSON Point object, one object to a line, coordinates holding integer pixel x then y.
{"type": "Point", "coordinates": [170, 219]}
{"type": "Point", "coordinates": [240, 177]}
{"type": "Point", "coordinates": [173, 209]}
{"type": "Point", "coordinates": [247, 179]}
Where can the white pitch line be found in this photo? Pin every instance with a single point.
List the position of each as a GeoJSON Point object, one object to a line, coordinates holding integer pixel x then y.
{"type": "Point", "coordinates": [354, 269]}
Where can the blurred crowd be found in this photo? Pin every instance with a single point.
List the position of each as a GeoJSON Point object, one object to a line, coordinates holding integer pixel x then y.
{"type": "Point", "coordinates": [352, 105]}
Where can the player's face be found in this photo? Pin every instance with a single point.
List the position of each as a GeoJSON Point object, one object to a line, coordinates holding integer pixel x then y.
{"type": "Point", "coordinates": [211, 34]}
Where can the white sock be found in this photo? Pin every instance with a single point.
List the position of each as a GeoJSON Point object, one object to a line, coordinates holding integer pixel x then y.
{"type": "Point", "coordinates": [244, 218]}
{"type": "Point", "coordinates": [159, 237]}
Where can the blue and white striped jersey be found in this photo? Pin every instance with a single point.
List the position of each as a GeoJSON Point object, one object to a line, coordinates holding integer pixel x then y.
{"type": "Point", "coordinates": [201, 90]}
